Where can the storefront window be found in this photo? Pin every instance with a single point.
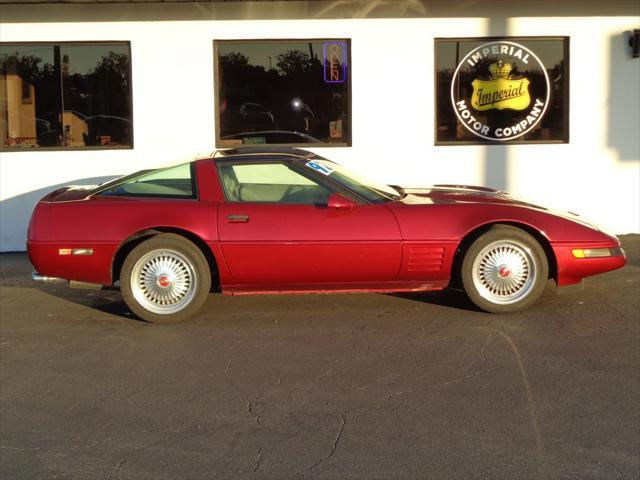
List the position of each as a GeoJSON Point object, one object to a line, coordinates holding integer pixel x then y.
{"type": "Point", "coordinates": [65, 96]}
{"type": "Point", "coordinates": [505, 90]}
{"type": "Point", "coordinates": [287, 92]}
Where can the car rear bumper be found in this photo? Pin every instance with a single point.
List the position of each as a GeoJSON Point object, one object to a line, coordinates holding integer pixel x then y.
{"type": "Point", "coordinates": [72, 261]}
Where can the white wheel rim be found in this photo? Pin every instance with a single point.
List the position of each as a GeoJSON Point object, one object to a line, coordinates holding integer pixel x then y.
{"type": "Point", "coordinates": [504, 272]}
{"type": "Point", "coordinates": [163, 281]}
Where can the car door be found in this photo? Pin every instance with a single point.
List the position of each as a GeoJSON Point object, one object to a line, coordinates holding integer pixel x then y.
{"type": "Point", "coordinates": [276, 230]}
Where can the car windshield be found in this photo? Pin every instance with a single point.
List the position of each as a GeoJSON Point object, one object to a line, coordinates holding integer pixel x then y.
{"type": "Point", "coordinates": [372, 191]}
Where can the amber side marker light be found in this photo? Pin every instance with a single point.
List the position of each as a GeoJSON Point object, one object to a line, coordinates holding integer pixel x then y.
{"type": "Point", "coordinates": [75, 251]}
{"type": "Point", "coordinates": [596, 252]}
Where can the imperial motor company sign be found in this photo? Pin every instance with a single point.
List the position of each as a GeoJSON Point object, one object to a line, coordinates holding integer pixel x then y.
{"type": "Point", "coordinates": [498, 104]}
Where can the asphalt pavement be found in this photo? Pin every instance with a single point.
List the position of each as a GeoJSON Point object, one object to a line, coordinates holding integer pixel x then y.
{"type": "Point", "coordinates": [345, 386]}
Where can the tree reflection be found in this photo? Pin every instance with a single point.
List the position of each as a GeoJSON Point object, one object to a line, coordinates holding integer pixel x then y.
{"type": "Point", "coordinates": [291, 96]}
{"type": "Point", "coordinates": [87, 106]}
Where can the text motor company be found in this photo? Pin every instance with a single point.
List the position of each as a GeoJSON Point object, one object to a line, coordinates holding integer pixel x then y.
{"type": "Point", "coordinates": [500, 84]}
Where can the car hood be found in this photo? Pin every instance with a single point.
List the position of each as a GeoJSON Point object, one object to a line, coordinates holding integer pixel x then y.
{"type": "Point", "coordinates": [463, 194]}
{"type": "Point", "coordinates": [466, 194]}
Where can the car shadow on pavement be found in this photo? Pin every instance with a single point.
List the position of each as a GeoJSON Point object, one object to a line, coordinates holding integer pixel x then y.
{"type": "Point", "coordinates": [15, 271]}
{"type": "Point", "coordinates": [446, 298]}
{"type": "Point", "coordinates": [117, 308]}
{"type": "Point", "coordinates": [107, 300]}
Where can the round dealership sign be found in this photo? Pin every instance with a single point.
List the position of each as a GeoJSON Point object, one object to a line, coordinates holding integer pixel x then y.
{"type": "Point", "coordinates": [500, 91]}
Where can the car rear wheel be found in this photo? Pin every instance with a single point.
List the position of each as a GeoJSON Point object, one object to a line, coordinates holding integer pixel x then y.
{"type": "Point", "coordinates": [504, 270]}
{"type": "Point", "coordinates": [165, 279]}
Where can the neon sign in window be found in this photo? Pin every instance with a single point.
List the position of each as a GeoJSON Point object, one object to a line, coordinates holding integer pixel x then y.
{"type": "Point", "coordinates": [335, 62]}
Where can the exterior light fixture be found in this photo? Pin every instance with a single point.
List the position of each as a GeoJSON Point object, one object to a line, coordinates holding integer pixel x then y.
{"type": "Point", "coordinates": [634, 43]}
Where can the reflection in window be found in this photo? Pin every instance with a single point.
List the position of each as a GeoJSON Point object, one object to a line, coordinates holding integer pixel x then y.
{"type": "Point", "coordinates": [283, 92]}
{"type": "Point", "coordinates": [502, 90]}
{"type": "Point", "coordinates": [65, 95]}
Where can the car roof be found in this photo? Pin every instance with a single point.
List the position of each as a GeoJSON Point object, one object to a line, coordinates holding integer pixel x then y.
{"type": "Point", "coordinates": [266, 152]}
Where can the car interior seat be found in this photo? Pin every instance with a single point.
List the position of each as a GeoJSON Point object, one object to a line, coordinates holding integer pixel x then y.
{"type": "Point", "coordinates": [231, 184]}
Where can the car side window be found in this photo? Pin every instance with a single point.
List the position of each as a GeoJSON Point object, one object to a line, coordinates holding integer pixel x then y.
{"type": "Point", "coordinates": [270, 183]}
{"type": "Point", "coordinates": [177, 181]}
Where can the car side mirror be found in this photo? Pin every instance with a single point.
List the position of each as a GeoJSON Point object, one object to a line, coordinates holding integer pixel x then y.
{"type": "Point", "coordinates": [340, 202]}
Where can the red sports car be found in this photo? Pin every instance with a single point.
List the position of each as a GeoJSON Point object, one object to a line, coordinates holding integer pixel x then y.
{"type": "Point", "coordinates": [286, 220]}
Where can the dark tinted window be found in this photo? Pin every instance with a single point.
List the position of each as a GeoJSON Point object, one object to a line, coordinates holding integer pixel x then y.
{"type": "Point", "coordinates": [67, 95]}
{"type": "Point", "coordinates": [283, 92]}
{"type": "Point", "coordinates": [502, 90]}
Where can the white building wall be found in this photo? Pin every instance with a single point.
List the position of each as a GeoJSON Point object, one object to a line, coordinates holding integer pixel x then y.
{"type": "Point", "coordinates": [597, 174]}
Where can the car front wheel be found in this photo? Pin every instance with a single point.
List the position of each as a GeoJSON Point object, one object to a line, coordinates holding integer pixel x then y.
{"type": "Point", "coordinates": [165, 279]}
{"type": "Point", "coordinates": [504, 270]}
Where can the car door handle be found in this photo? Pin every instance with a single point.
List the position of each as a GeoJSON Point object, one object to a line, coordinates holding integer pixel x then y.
{"type": "Point", "coordinates": [237, 218]}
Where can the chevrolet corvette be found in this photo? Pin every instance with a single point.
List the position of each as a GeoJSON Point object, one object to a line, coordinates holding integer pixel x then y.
{"type": "Point", "coordinates": [250, 221]}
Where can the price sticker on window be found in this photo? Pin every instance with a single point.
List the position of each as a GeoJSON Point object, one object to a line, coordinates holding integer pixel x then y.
{"type": "Point", "coordinates": [320, 168]}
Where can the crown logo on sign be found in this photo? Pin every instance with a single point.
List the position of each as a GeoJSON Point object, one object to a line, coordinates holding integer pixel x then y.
{"type": "Point", "coordinates": [500, 70]}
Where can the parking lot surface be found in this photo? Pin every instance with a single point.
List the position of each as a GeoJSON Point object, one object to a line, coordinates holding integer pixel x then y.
{"type": "Point", "coordinates": [348, 386]}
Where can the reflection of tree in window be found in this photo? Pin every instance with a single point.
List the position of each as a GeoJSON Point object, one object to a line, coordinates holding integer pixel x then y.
{"type": "Point", "coordinates": [281, 90]}
{"type": "Point", "coordinates": [99, 97]}
{"type": "Point", "coordinates": [77, 101]}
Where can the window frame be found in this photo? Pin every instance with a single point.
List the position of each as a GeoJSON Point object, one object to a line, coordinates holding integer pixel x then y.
{"type": "Point", "coordinates": [216, 91]}
{"type": "Point", "coordinates": [566, 39]}
{"type": "Point", "coordinates": [80, 43]}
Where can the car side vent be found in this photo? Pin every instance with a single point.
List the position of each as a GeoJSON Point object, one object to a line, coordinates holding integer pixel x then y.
{"type": "Point", "coordinates": [425, 259]}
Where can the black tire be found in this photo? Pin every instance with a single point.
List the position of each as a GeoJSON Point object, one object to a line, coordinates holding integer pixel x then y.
{"type": "Point", "coordinates": [504, 270]}
{"type": "Point", "coordinates": [165, 279]}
